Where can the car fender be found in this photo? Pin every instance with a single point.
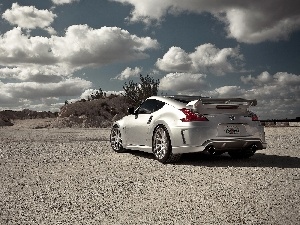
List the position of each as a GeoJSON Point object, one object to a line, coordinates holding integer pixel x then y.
{"type": "Point", "coordinates": [120, 124]}
{"type": "Point", "coordinates": [153, 127]}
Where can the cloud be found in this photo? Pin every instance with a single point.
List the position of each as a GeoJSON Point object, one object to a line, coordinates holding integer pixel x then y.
{"type": "Point", "coordinates": [29, 17]}
{"type": "Point", "coordinates": [81, 47]}
{"type": "Point", "coordinates": [17, 48]}
{"type": "Point", "coordinates": [146, 11]}
{"type": "Point", "coordinates": [246, 21]}
{"type": "Point", "coordinates": [263, 78]}
{"type": "Point", "coordinates": [278, 95]}
{"type": "Point", "coordinates": [280, 79]}
{"type": "Point", "coordinates": [226, 91]}
{"type": "Point", "coordinates": [36, 73]}
{"type": "Point", "coordinates": [206, 59]}
{"type": "Point", "coordinates": [267, 20]}
{"type": "Point", "coordinates": [40, 67]}
{"type": "Point", "coordinates": [34, 90]}
{"type": "Point", "coordinates": [42, 59]}
{"type": "Point", "coordinates": [176, 59]}
{"type": "Point", "coordinates": [128, 72]}
{"type": "Point", "coordinates": [61, 2]}
{"type": "Point", "coordinates": [84, 46]}
{"type": "Point", "coordinates": [44, 104]}
{"type": "Point", "coordinates": [183, 82]}
{"type": "Point", "coordinates": [52, 104]}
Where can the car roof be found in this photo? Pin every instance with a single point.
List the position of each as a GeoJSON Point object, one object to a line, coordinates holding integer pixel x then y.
{"type": "Point", "coordinates": [170, 101]}
{"type": "Point", "coordinates": [186, 98]}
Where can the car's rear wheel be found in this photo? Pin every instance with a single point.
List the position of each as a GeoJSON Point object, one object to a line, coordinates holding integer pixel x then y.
{"type": "Point", "coordinates": [161, 146]}
{"type": "Point", "coordinates": [116, 139]}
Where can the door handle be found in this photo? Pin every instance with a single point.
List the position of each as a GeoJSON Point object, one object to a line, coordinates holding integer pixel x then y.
{"type": "Point", "coordinates": [149, 120]}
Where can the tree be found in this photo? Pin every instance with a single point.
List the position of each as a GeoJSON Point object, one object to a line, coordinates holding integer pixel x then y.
{"type": "Point", "coordinates": [138, 92]}
{"type": "Point", "coordinates": [98, 95]}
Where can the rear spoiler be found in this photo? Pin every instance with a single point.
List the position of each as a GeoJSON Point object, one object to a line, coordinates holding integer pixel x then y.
{"type": "Point", "coordinates": [226, 105]}
{"type": "Point", "coordinates": [207, 100]}
{"type": "Point", "coordinates": [237, 101]}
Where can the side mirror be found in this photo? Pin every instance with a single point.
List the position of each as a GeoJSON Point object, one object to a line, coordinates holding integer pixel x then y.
{"type": "Point", "coordinates": [130, 111]}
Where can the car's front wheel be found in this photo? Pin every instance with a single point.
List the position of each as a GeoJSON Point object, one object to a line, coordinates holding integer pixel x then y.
{"type": "Point", "coordinates": [116, 139]}
{"type": "Point", "coordinates": [161, 146]}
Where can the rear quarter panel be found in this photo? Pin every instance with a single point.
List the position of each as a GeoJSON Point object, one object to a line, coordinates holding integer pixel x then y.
{"type": "Point", "coordinates": [169, 117]}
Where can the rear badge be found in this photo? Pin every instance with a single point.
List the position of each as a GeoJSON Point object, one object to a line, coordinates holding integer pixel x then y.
{"type": "Point", "coordinates": [232, 130]}
{"type": "Point", "coordinates": [232, 117]}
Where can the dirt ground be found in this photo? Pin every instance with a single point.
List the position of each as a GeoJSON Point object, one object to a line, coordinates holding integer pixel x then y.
{"type": "Point", "coordinates": [71, 176]}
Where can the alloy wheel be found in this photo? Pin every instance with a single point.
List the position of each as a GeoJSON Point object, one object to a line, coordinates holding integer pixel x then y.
{"type": "Point", "coordinates": [116, 140]}
{"type": "Point", "coordinates": [161, 143]}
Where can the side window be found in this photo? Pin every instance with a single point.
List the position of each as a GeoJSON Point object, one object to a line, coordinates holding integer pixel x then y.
{"type": "Point", "coordinates": [159, 105]}
{"type": "Point", "coordinates": [149, 106]}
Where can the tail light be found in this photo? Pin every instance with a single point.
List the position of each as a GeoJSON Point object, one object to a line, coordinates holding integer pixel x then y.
{"type": "Point", "coordinates": [191, 116]}
{"type": "Point", "coordinates": [254, 117]}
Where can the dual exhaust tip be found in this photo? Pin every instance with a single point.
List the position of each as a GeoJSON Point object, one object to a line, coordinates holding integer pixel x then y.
{"type": "Point", "coordinates": [212, 150]}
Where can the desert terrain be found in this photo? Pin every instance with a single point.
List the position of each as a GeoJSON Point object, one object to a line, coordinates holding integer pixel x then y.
{"type": "Point", "coordinates": [71, 176]}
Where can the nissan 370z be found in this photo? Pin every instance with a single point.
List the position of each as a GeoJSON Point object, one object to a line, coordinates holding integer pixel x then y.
{"type": "Point", "coordinates": [169, 126]}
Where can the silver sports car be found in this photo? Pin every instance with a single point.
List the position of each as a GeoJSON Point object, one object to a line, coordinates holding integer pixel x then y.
{"type": "Point", "coordinates": [169, 126]}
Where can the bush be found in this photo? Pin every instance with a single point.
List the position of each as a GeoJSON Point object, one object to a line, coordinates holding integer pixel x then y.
{"type": "Point", "coordinates": [136, 93]}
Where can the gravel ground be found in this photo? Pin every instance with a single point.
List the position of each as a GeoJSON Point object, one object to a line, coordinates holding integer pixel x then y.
{"type": "Point", "coordinates": [71, 176]}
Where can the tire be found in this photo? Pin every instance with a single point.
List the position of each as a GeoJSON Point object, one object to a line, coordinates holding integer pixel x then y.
{"type": "Point", "coordinates": [116, 140]}
{"type": "Point", "coordinates": [161, 146]}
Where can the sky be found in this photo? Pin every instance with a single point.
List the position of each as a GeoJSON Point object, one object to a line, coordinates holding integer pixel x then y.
{"type": "Point", "coordinates": [57, 50]}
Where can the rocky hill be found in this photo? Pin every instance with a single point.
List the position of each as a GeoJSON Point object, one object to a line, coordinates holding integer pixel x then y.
{"type": "Point", "coordinates": [93, 113]}
{"type": "Point", "coordinates": [8, 116]}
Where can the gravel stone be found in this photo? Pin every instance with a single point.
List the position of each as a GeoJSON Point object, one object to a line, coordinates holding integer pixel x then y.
{"type": "Point", "coordinates": [71, 176]}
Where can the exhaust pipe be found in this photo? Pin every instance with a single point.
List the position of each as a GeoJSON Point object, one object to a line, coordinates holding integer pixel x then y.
{"type": "Point", "coordinates": [211, 150]}
{"type": "Point", "coordinates": [252, 149]}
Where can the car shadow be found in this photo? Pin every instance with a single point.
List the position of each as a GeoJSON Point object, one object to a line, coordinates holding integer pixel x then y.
{"type": "Point", "coordinates": [258, 160]}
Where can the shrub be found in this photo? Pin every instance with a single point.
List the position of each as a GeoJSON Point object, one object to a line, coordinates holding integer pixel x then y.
{"type": "Point", "coordinates": [137, 92]}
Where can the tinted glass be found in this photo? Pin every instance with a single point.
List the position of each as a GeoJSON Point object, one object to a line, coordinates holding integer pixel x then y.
{"type": "Point", "coordinates": [159, 105]}
{"type": "Point", "coordinates": [149, 106]}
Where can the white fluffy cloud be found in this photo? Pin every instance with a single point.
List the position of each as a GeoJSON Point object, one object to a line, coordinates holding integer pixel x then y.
{"type": "Point", "coordinates": [278, 79]}
{"type": "Point", "coordinates": [81, 46]}
{"type": "Point", "coordinates": [17, 48]}
{"type": "Point", "coordinates": [61, 2]}
{"type": "Point", "coordinates": [129, 72]}
{"type": "Point", "coordinates": [206, 59]}
{"type": "Point", "coordinates": [84, 46]}
{"type": "Point", "coordinates": [246, 21]}
{"type": "Point", "coordinates": [277, 94]}
{"type": "Point", "coordinates": [34, 73]}
{"type": "Point", "coordinates": [29, 17]}
{"type": "Point", "coordinates": [281, 86]}
{"type": "Point", "coordinates": [34, 90]}
{"type": "Point", "coordinates": [227, 91]}
{"type": "Point", "coordinates": [41, 67]}
{"type": "Point", "coordinates": [267, 20]}
{"type": "Point", "coordinates": [183, 82]}
{"type": "Point", "coordinates": [40, 96]}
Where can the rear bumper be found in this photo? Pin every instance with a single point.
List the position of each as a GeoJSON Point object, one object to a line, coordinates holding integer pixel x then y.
{"type": "Point", "coordinates": [222, 145]}
{"type": "Point", "coordinates": [236, 143]}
